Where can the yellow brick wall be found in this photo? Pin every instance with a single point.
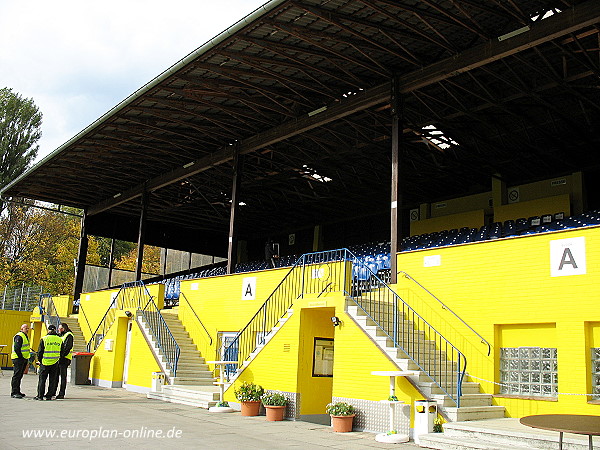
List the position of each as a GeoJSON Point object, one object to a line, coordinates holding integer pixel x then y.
{"type": "Point", "coordinates": [472, 219]}
{"type": "Point", "coordinates": [10, 324]}
{"type": "Point", "coordinates": [504, 290]}
{"type": "Point", "coordinates": [276, 366]}
{"type": "Point", "coordinates": [107, 365]}
{"type": "Point", "coordinates": [218, 303]}
{"type": "Point", "coordinates": [538, 207]}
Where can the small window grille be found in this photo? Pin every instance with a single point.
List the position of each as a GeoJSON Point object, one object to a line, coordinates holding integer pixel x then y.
{"type": "Point", "coordinates": [596, 373]}
{"type": "Point", "coordinates": [529, 371]}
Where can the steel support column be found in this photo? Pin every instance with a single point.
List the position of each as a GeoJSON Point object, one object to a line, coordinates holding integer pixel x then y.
{"type": "Point", "coordinates": [235, 191]}
{"type": "Point", "coordinates": [141, 236]}
{"type": "Point", "coordinates": [110, 261]}
{"type": "Point", "coordinates": [396, 196]}
{"type": "Point", "coordinates": [81, 259]}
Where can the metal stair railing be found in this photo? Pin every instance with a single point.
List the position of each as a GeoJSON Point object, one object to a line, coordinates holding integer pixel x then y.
{"type": "Point", "coordinates": [435, 356]}
{"type": "Point", "coordinates": [159, 330]}
{"type": "Point", "coordinates": [313, 273]}
{"type": "Point", "coordinates": [183, 309]}
{"type": "Point", "coordinates": [130, 296]}
{"type": "Point", "coordinates": [48, 309]}
{"type": "Point", "coordinates": [446, 308]}
{"type": "Point", "coordinates": [82, 311]}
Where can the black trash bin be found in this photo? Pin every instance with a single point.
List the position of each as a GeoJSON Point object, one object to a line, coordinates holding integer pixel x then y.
{"type": "Point", "coordinates": [80, 367]}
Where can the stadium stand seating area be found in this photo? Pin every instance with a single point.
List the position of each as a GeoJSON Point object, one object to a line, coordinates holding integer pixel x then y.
{"type": "Point", "coordinates": [375, 257]}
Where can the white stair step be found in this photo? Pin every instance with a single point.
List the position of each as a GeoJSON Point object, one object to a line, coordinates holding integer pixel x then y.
{"type": "Point", "coordinates": [508, 432]}
{"type": "Point", "coordinates": [465, 400]}
{"type": "Point", "coordinates": [474, 413]}
{"type": "Point", "coordinates": [181, 400]}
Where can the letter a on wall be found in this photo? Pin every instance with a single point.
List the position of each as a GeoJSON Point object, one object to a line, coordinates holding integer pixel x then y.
{"type": "Point", "coordinates": [249, 288]}
{"type": "Point", "coordinates": [567, 257]}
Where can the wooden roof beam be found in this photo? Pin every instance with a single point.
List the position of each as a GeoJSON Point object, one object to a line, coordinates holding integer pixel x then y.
{"type": "Point", "coordinates": [572, 20]}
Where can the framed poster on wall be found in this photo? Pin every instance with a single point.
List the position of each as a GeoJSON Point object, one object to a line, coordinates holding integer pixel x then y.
{"type": "Point", "coordinates": [323, 357]}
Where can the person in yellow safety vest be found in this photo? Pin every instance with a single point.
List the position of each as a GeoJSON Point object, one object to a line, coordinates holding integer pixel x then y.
{"type": "Point", "coordinates": [66, 355]}
{"type": "Point", "coordinates": [20, 358]}
{"type": "Point", "coordinates": [48, 355]}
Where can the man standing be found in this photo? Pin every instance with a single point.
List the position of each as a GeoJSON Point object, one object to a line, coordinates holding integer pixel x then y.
{"type": "Point", "coordinates": [20, 358]}
{"type": "Point", "coordinates": [48, 355]}
{"type": "Point", "coordinates": [66, 354]}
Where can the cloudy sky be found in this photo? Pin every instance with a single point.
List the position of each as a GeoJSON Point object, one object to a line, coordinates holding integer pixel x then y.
{"type": "Point", "coordinates": [77, 59]}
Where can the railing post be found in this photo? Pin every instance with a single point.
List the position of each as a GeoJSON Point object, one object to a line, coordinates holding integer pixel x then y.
{"type": "Point", "coordinates": [21, 297]}
{"type": "Point", "coordinates": [395, 320]}
{"type": "Point", "coordinates": [303, 275]}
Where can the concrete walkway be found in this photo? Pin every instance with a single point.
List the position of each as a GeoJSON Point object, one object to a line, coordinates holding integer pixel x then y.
{"type": "Point", "coordinates": [93, 417]}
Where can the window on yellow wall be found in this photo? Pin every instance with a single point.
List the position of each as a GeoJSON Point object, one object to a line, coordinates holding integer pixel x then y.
{"type": "Point", "coordinates": [596, 373]}
{"type": "Point", "coordinates": [323, 357]}
{"type": "Point", "coordinates": [529, 371]}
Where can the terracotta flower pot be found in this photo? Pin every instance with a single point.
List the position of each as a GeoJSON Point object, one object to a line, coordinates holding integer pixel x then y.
{"type": "Point", "coordinates": [275, 413]}
{"type": "Point", "coordinates": [342, 424]}
{"type": "Point", "coordinates": [250, 408]}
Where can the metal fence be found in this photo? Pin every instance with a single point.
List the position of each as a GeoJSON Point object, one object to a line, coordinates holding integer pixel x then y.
{"type": "Point", "coordinates": [20, 298]}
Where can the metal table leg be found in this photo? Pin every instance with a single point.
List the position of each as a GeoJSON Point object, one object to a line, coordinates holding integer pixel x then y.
{"type": "Point", "coordinates": [560, 441]}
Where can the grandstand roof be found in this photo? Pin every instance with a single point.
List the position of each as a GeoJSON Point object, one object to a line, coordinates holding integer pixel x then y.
{"type": "Point", "coordinates": [302, 88]}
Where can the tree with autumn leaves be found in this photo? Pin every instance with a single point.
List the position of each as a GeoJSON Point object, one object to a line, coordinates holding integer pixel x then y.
{"type": "Point", "coordinates": [38, 246]}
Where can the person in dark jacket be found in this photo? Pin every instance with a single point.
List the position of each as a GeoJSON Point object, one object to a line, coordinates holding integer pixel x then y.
{"type": "Point", "coordinates": [48, 355]}
{"type": "Point", "coordinates": [66, 354]}
{"type": "Point", "coordinates": [20, 358]}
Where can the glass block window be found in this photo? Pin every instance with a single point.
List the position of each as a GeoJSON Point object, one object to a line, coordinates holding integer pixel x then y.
{"type": "Point", "coordinates": [596, 373]}
{"type": "Point", "coordinates": [529, 371]}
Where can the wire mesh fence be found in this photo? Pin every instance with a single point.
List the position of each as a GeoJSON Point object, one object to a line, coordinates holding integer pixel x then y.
{"type": "Point", "coordinates": [20, 298]}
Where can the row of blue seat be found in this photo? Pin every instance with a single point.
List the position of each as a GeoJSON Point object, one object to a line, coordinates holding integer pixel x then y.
{"type": "Point", "coordinates": [375, 257]}
{"type": "Point", "coordinates": [521, 226]}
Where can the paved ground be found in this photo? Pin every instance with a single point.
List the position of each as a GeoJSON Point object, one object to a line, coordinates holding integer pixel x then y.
{"type": "Point", "coordinates": [93, 417]}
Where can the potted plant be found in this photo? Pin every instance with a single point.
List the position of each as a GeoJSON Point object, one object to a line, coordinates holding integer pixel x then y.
{"type": "Point", "coordinates": [249, 395]}
{"type": "Point", "coordinates": [342, 415]}
{"type": "Point", "coordinates": [274, 403]}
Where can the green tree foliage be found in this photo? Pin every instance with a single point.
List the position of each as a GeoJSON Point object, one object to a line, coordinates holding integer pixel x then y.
{"type": "Point", "coordinates": [121, 249]}
{"type": "Point", "coordinates": [39, 247]}
{"type": "Point", "coordinates": [20, 122]}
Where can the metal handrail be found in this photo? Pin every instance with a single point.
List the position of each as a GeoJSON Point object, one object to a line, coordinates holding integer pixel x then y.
{"type": "Point", "coordinates": [80, 306]}
{"type": "Point", "coordinates": [52, 317]}
{"type": "Point", "coordinates": [167, 344]}
{"type": "Point", "coordinates": [121, 301]}
{"type": "Point", "coordinates": [409, 331]}
{"type": "Point", "coordinates": [312, 273]}
{"type": "Point", "coordinates": [181, 294]}
{"type": "Point", "coordinates": [445, 307]}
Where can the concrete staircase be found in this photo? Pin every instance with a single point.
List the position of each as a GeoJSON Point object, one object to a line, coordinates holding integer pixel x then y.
{"type": "Point", "coordinates": [474, 404]}
{"type": "Point", "coordinates": [498, 434]}
{"type": "Point", "coordinates": [79, 343]}
{"type": "Point", "coordinates": [194, 383]}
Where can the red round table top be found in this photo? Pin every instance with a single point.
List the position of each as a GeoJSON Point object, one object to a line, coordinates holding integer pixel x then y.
{"type": "Point", "coordinates": [566, 423]}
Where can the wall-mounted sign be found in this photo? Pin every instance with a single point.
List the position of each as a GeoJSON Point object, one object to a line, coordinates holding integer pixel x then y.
{"type": "Point", "coordinates": [567, 257]}
{"type": "Point", "coordinates": [415, 215]}
{"type": "Point", "coordinates": [432, 261]}
{"type": "Point", "coordinates": [249, 288]}
{"type": "Point", "coordinates": [513, 195]}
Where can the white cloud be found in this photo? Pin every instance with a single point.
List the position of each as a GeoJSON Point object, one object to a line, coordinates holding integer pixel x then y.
{"type": "Point", "coordinates": [78, 59]}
